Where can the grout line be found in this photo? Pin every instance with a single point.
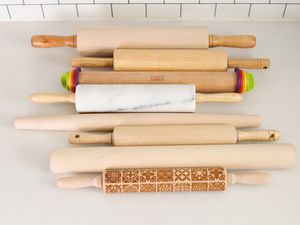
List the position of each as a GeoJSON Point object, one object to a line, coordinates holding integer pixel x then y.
{"type": "Point", "coordinates": [283, 15]}
{"type": "Point", "coordinates": [23, 2]}
{"type": "Point", "coordinates": [43, 11]}
{"type": "Point", "coordinates": [180, 13]}
{"type": "Point", "coordinates": [111, 10]}
{"type": "Point", "coordinates": [249, 12]}
{"type": "Point", "coordinates": [146, 10]}
{"type": "Point", "coordinates": [8, 12]}
{"type": "Point", "coordinates": [215, 13]}
{"type": "Point", "coordinates": [76, 6]}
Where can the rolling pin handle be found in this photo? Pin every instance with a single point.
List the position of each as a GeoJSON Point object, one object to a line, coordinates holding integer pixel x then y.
{"type": "Point", "coordinates": [49, 41]}
{"type": "Point", "coordinates": [233, 41]}
{"type": "Point", "coordinates": [223, 97]}
{"type": "Point", "coordinates": [259, 135]}
{"type": "Point", "coordinates": [52, 98]}
{"type": "Point", "coordinates": [85, 138]}
{"type": "Point", "coordinates": [249, 178]}
{"type": "Point", "coordinates": [80, 181]}
{"type": "Point", "coordinates": [249, 63]}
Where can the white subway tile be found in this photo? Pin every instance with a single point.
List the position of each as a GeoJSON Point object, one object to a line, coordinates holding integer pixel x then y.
{"type": "Point", "coordinates": [41, 1]}
{"type": "Point", "coordinates": [146, 1]}
{"type": "Point", "coordinates": [75, 1]}
{"type": "Point", "coordinates": [292, 12]}
{"type": "Point", "coordinates": [163, 11]}
{"type": "Point", "coordinates": [25, 12]}
{"type": "Point", "coordinates": [252, 1]}
{"type": "Point", "coordinates": [100, 11]}
{"type": "Point", "coordinates": [217, 1]}
{"type": "Point", "coordinates": [4, 13]}
{"type": "Point", "coordinates": [196, 11]}
{"type": "Point", "coordinates": [130, 11]}
{"type": "Point", "coordinates": [236, 11]}
{"type": "Point", "coordinates": [285, 1]}
{"type": "Point", "coordinates": [182, 1]}
{"type": "Point", "coordinates": [111, 1]}
{"type": "Point", "coordinates": [60, 12]}
{"type": "Point", "coordinates": [267, 11]}
{"type": "Point", "coordinates": [11, 2]}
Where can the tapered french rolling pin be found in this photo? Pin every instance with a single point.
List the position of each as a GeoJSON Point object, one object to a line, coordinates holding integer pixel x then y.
{"type": "Point", "coordinates": [170, 60]}
{"type": "Point", "coordinates": [236, 156]}
{"type": "Point", "coordinates": [238, 81]}
{"type": "Point", "coordinates": [173, 135]}
{"type": "Point", "coordinates": [102, 41]}
{"type": "Point", "coordinates": [135, 98]}
{"type": "Point", "coordinates": [163, 180]}
{"type": "Point", "coordinates": [108, 121]}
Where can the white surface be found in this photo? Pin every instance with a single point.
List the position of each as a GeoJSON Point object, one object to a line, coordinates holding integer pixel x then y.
{"type": "Point", "coordinates": [135, 98]}
{"type": "Point", "coordinates": [28, 193]}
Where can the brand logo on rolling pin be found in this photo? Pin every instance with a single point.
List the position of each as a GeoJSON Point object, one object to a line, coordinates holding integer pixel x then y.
{"type": "Point", "coordinates": [157, 78]}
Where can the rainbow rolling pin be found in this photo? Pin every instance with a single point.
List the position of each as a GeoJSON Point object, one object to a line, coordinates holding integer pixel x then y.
{"type": "Point", "coordinates": [238, 81]}
{"type": "Point", "coordinates": [163, 180]}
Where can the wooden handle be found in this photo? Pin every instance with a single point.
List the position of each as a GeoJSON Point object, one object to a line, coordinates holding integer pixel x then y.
{"type": "Point", "coordinates": [259, 135]}
{"type": "Point", "coordinates": [249, 178]}
{"type": "Point", "coordinates": [85, 138]}
{"type": "Point", "coordinates": [233, 41]}
{"type": "Point", "coordinates": [92, 62]}
{"type": "Point", "coordinates": [49, 41]}
{"type": "Point", "coordinates": [224, 97]}
{"type": "Point", "coordinates": [80, 181]}
{"type": "Point", "coordinates": [52, 98]}
{"type": "Point", "coordinates": [249, 63]}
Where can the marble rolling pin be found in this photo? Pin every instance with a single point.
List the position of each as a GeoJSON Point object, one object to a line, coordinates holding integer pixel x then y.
{"type": "Point", "coordinates": [102, 41]}
{"type": "Point", "coordinates": [170, 60]}
{"type": "Point", "coordinates": [236, 156]}
{"type": "Point", "coordinates": [173, 135]}
{"type": "Point", "coordinates": [205, 82]}
{"type": "Point", "coordinates": [108, 121]}
{"type": "Point", "coordinates": [163, 180]}
{"type": "Point", "coordinates": [135, 98]}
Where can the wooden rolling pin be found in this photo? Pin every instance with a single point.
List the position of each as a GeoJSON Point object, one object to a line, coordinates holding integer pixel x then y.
{"type": "Point", "coordinates": [169, 60]}
{"type": "Point", "coordinates": [135, 98]}
{"type": "Point", "coordinates": [163, 180]}
{"type": "Point", "coordinates": [174, 135]}
{"type": "Point", "coordinates": [102, 41]}
{"type": "Point", "coordinates": [237, 156]}
{"type": "Point", "coordinates": [108, 121]}
{"type": "Point", "coordinates": [205, 82]}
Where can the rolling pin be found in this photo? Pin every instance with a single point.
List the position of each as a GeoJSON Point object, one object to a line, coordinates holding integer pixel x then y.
{"type": "Point", "coordinates": [237, 156]}
{"type": "Point", "coordinates": [169, 60]}
{"type": "Point", "coordinates": [108, 121]}
{"type": "Point", "coordinates": [205, 82]}
{"type": "Point", "coordinates": [135, 98]}
{"type": "Point", "coordinates": [102, 41]}
{"type": "Point", "coordinates": [174, 135]}
{"type": "Point", "coordinates": [163, 180]}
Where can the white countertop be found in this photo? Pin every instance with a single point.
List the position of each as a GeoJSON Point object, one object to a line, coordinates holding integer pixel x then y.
{"type": "Point", "coordinates": [28, 194]}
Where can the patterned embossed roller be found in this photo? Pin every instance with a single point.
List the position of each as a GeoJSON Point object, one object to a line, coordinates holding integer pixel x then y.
{"type": "Point", "coordinates": [103, 40]}
{"type": "Point", "coordinates": [239, 81]}
{"type": "Point", "coordinates": [163, 180]}
{"type": "Point", "coordinates": [170, 60]}
{"type": "Point", "coordinates": [136, 98]}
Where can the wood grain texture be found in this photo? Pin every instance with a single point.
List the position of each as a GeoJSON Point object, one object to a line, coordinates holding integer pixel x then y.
{"type": "Point", "coordinates": [249, 63]}
{"type": "Point", "coordinates": [233, 41]}
{"type": "Point", "coordinates": [48, 41]}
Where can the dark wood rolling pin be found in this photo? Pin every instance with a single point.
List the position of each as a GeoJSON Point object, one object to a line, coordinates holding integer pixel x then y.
{"type": "Point", "coordinates": [239, 81]}
{"type": "Point", "coordinates": [163, 180]}
{"type": "Point", "coordinates": [173, 135]}
{"type": "Point", "coordinates": [102, 41]}
{"type": "Point", "coordinates": [170, 60]}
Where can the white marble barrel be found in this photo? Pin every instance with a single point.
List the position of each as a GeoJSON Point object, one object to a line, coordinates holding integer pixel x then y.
{"type": "Point", "coordinates": [135, 98]}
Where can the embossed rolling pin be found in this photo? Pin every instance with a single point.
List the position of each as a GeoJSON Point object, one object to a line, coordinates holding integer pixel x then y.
{"type": "Point", "coordinates": [173, 135]}
{"type": "Point", "coordinates": [108, 121]}
{"type": "Point", "coordinates": [170, 60]}
{"type": "Point", "coordinates": [135, 98]}
{"type": "Point", "coordinates": [163, 180]}
{"type": "Point", "coordinates": [102, 41]}
{"type": "Point", "coordinates": [205, 82]}
{"type": "Point", "coordinates": [236, 156]}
